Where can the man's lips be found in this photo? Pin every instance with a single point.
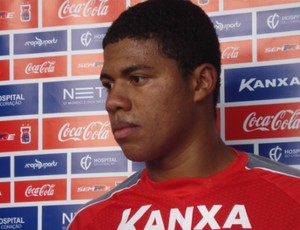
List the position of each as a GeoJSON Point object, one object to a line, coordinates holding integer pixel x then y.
{"type": "Point", "coordinates": [122, 130]}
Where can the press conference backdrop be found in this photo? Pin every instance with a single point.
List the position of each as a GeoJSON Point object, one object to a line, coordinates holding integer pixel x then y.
{"type": "Point", "coordinates": [56, 147]}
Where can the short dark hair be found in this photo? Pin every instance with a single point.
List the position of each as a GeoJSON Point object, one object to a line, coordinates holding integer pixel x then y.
{"type": "Point", "coordinates": [183, 31]}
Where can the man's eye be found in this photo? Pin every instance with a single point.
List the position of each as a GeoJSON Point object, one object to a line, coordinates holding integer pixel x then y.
{"type": "Point", "coordinates": [107, 85]}
{"type": "Point", "coordinates": [138, 80]}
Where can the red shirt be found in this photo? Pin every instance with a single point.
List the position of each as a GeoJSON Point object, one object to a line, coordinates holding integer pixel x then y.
{"type": "Point", "coordinates": [252, 193]}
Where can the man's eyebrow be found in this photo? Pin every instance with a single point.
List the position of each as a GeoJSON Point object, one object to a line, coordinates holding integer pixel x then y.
{"type": "Point", "coordinates": [125, 71]}
{"type": "Point", "coordinates": [132, 68]}
{"type": "Point", "coordinates": [105, 76]}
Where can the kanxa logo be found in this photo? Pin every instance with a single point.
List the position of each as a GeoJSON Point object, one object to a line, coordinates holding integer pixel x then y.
{"type": "Point", "coordinates": [262, 83]}
{"type": "Point", "coordinates": [236, 217]}
{"type": "Point", "coordinates": [254, 83]}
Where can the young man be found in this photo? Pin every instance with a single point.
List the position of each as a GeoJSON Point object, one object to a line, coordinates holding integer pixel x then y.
{"type": "Point", "coordinates": [162, 72]}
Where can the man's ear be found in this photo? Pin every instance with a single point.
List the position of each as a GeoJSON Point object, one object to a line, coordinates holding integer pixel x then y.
{"type": "Point", "coordinates": [204, 78]}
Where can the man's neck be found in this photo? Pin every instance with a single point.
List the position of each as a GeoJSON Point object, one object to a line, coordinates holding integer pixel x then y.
{"type": "Point", "coordinates": [202, 162]}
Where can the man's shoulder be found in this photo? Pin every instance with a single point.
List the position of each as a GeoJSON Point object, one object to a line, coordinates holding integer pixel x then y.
{"type": "Point", "coordinates": [284, 179]}
{"type": "Point", "coordinates": [87, 214]}
{"type": "Point", "coordinates": [263, 163]}
{"type": "Point", "coordinates": [126, 184]}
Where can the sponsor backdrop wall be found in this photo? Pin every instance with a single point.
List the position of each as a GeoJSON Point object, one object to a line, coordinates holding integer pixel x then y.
{"type": "Point", "coordinates": [56, 148]}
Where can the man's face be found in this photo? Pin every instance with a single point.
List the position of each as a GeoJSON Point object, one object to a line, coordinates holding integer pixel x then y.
{"type": "Point", "coordinates": [149, 104]}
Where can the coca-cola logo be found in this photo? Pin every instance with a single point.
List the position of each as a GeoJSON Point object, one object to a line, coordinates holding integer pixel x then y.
{"type": "Point", "coordinates": [46, 67]}
{"type": "Point", "coordinates": [283, 120]}
{"type": "Point", "coordinates": [91, 8]}
{"type": "Point", "coordinates": [231, 52]}
{"type": "Point", "coordinates": [95, 130]}
{"type": "Point", "coordinates": [45, 190]}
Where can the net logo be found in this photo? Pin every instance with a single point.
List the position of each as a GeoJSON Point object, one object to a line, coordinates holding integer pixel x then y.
{"type": "Point", "coordinates": [73, 96]}
{"type": "Point", "coordinates": [99, 162]}
{"type": "Point", "coordinates": [233, 25]}
{"type": "Point", "coordinates": [78, 93]}
{"type": "Point", "coordinates": [261, 83]}
{"type": "Point", "coordinates": [280, 20]}
{"type": "Point", "coordinates": [262, 121]}
{"type": "Point", "coordinates": [60, 216]}
{"type": "Point", "coordinates": [286, 152]}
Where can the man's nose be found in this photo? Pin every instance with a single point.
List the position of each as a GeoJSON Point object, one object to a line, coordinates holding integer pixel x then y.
{"type": "Point", "coordinates": [118, 99]}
